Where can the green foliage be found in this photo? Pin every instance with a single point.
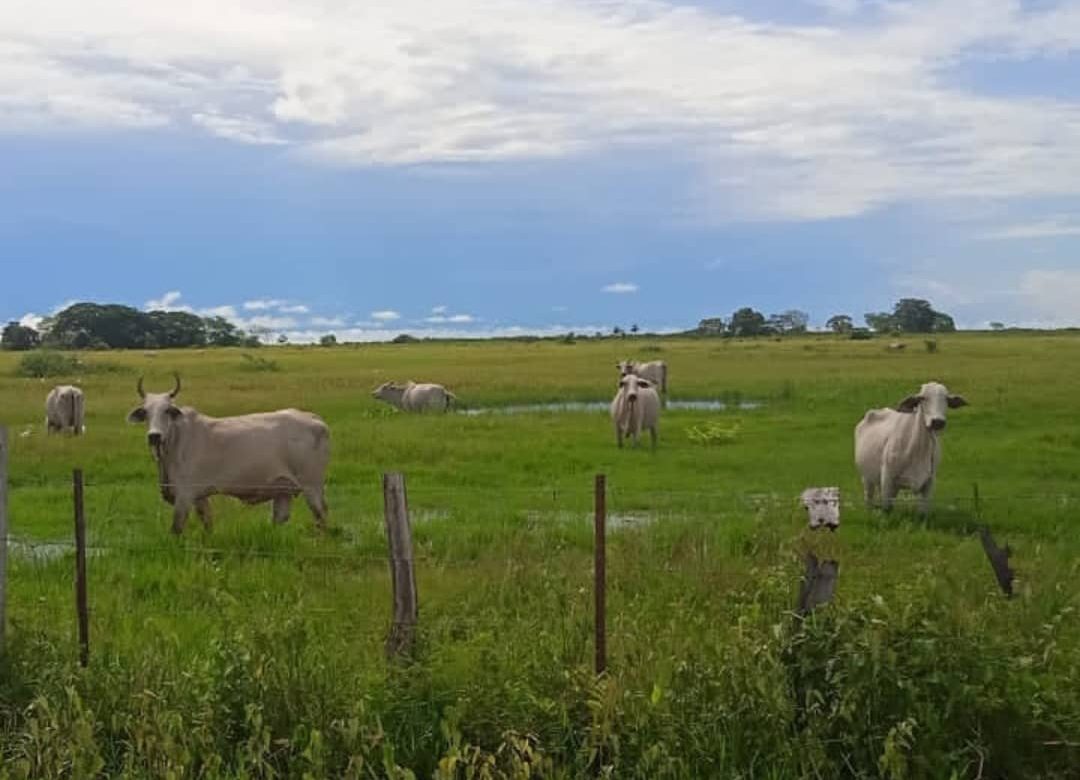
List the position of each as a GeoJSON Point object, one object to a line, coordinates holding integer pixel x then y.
{"type": "Point", "coordinates": [19, 338]}
{"type": "Point", "coordinates": [861, 334]}
{"type": "Point", "coordinates": [931, 345]}
{"type": "Point", "coordinates": [329, 340]}
{"type": "Point", "coordinates": [110, 326]}
{"type": "Point", "coordinates": [713, 433]}
{"type": "Point", "coordinates": [840, 323]}
{"type": "Point", "coordinates": [747, 322]}
{"type": "Point", "coordinates": [259, 363]}
{"type": "Point", "coordinates": [46, 363]}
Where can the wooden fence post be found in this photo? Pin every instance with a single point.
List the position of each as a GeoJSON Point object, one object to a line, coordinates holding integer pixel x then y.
{"type": "Point", "coordinates": [80, 569]}
{"type": "Point", "coordinates": [976, 503]}
{"type": "Point", "coordinates": [600, 573]}
{"type": "Point", "coordinates": [3, 535]}
{"type": "Point", "coordinates": [402, 573]}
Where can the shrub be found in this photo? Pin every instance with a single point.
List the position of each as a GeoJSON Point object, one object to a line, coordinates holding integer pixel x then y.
{"type": "Point", "coordinates": [714, 433]}
{"type": "Point", "coordinates": [931, 345]}
{"type": "Point", "coordinates": [255, 363]}
{"type": "Point", "coordinates": [861, 334]}
{"type": "Point", "coordinates": [38, 365]}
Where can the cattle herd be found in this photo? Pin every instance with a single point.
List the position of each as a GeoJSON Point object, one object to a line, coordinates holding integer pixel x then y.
{"type": "Point", "coordinates": [277, 456]}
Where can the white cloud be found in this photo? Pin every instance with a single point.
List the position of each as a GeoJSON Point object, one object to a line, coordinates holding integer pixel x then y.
{"type": "Point", "coordinates": [460, 319]}
{"type": "Point", "coordinates": [228, 312]}
{"type": "Point", "coordinates": [438, 309]}
{"type": "Point", "coordinates": [784, 120]}
{"type": "Point", "coordinates": [167, 302]}
{"type": "Point", "coordinates": [1049, 227]}
{"type": "Point", "coordinates": [386, 315]}
{"type": "Point", "coordinates": [295, 309]}
{"type": "Point", "coordinates": [61, 306]}
{"type": "Point", "coordinates": [327, 322]}
{"type": "Point", "coordinates": [31, 320]}
{"type": "Point", "coordinates": [268, 322]}
{"type": "Point", "coordinates": [559, 309]}
{"type": "Point", "coordinates": [620, 288]}
{"type": "Point", "coordinates": [263, 304]}
{"type": "Point", "coordinates": [241, 129]}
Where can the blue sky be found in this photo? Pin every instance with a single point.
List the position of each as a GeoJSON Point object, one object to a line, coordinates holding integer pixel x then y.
{"type": "Point", "coordinates": [503, 166]}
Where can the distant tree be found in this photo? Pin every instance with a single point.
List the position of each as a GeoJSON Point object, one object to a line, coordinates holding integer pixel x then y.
{"type": "Point", "coordinates": [19, 338]}
{"type": "Point", "coordinates": [82, 324]}
{"type": "Point", "coordinates": [880, 322]}
{"type": "Point", "coordinates": [997, 326]}
{"type": "Point", "coordinates": [914, 315]}
{"type": "Point", "coordinates": [329, 340]}
{"type": "Point", "coordinates": [175, 329]}
{"type": "Point", "coordinates": [634, 329]}
{"type": "Point", "coordinates": [790, 321]}
{"type": "Point", "coordinates": [711, 326]}
{"type": "Point", "coordinates": [222, 333]}
{"type": "Point", "coordinates": [282, 339]}
{"type": "Point", "coordinates": [617, 331]}
{"type": "Point", "coordinates": [943, 323]}
{"type": "Point", "coordinates": [840, 323]}
{"type": "Point", "coordinates": [747, 322]}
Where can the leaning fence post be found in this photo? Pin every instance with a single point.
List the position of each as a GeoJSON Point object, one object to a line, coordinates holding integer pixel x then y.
{"type": "Point", "coordinates": [402, 573]}
{"type": "Point", "coordinates": [975, 502]}
{"type": "Point", "coordinates": [3, 534]}
{"type": "Point", "coordinates": [80, 569]}
{"type": "Point", "coordinates": [600, 573]}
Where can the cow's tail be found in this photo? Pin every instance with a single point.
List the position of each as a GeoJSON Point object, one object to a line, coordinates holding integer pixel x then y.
{"type": "Point", "coordinates": [76, 423]}
{"type": "Point", "coordinates": [450, 399]}
{"type": "Point", "coordinates": [663, 379]}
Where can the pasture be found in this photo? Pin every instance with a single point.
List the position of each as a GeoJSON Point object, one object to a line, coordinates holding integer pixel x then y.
{"type": "Point", "coordinates": [256, 651]}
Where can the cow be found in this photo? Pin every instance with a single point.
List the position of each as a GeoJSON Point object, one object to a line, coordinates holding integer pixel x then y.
{"type": "Point", "coordinates": [413, 397]}
{"type": "Point", "coordinates": [636, 406]}
{"type": "Point", "coordinates": [900, 448]}
{"type": "Point", "coordinates": [65, 410]}
{"type": "Point", "coordinates": [270, 456]}
{"type": "Point", "coordinates": [655, 372]}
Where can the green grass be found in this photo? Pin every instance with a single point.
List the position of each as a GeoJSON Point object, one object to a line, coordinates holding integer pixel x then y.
{"type": "Point", "coordinates": [256, 651]}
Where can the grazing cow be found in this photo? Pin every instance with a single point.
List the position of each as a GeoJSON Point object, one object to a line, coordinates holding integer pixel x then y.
{"type": "Point", "coordinates": [635, 407]}
{"type": "Point", "coordinates": [413, 397]}
{"type": "Point", "coordinates": [272, 456]}
{"type": "Point", "coordinates": [64, 410]}
{"type": "Point", "coordinates": [655, 372]}
{"type": "Point", "coordinates": [899, 448]}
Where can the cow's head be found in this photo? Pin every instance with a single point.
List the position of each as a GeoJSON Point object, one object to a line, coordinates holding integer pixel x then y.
{"type": "Point", "coordinates": [629, 386]}
{"type": "Point", "coordinates": [932, 402]}
{"type": "Point", "coordinates": [158, 412]}
{"type": "Point", "coordinates": [387, 391]}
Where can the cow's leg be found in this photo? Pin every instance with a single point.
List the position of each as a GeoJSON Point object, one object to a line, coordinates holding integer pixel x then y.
{"type": "Point", "coordinates": [652, 436]}
{"type": "Point", "coordinates": [924, 497]}
{"type": "Point", "coordinates": [282, 505]}
{"type": "Point", "coordinates": [889, 491]}
{"type": "Point", "coordinates": [181, 509]}
{"type": "Point", "coordinates": [618, 436]}
{"type": "Point", "coordinates": [202, 506]}
{"type": "Point", "coordinates": [316, 501]}
{"type": "Point", "coordinates": [869, 488]}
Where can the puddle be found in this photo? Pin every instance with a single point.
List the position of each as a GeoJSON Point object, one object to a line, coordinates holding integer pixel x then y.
{"type": "Point", "coordinates": [615, 521]}
{"type": "Point", "coordinates": [45, 550]}
{"type": "Point", "coordinates": [715, 405]}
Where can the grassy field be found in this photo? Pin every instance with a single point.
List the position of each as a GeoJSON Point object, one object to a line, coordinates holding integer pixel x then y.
{"type": "Point", "coordinates": [256, 651]}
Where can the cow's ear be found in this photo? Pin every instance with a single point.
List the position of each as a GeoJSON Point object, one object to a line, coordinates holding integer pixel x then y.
{"type": "Point", "coordinates": [137, 415]}
{"type": "Point", "coordinates": [956, 401]}
{"type": "Point", "coordinates": [175, 412]}
{"type": "Point", "coordinates": [909, 404]}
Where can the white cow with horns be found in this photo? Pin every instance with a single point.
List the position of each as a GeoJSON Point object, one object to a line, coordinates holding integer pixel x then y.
{"type": "Point", "coordinates": [636, 407]}
{"type": "Point", "coordinates": [655, 371]}
{"type": "Point", "coordinates": [271, 456]}
{"type": "Point", "coordinates": [900, 448]}
{"type": "Point", "coordinates": [65, 410]}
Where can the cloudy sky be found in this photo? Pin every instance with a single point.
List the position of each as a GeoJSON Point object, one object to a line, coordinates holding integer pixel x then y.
{"type": "Point", "coordinates": [491, 166]}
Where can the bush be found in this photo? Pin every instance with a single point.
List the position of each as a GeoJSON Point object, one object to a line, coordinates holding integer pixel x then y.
{"type": "Point", "coordinates": [714, 433]}
{"type": "Point", "coordinates": [861, 334]}
{"type": "Point", "coordinates": [931, 345]}
{"type": "Point", "coordinates": [38, 365]}
{"type": "Point", "coordinates": [255, 363]}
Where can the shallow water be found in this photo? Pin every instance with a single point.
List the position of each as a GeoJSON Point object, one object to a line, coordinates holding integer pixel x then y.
{"type": "Point", "coordinates": [714, 405]}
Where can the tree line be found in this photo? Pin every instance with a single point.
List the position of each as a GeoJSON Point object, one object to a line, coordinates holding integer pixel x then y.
{"type": "Point", "coordinates": [113, 326]}
{"type": "Point", "coordinates": [909, 315]}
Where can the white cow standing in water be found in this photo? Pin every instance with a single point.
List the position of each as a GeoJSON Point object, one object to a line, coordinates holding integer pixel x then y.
{"type": "Point", "coordinates": [897, 449]}
{"type": "Point", "coordinates": [636, 407]}
{"type": "Point", "coordinates": [413, 397]}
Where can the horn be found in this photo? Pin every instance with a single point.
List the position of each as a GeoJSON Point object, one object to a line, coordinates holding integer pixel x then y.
{"type": "Point", "coordinates": [139, 389]}
{"type": "Point", "coordinates": [176, 390]}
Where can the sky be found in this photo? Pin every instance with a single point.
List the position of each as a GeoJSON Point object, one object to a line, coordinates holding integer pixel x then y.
{"type": "Point", "coordinates": [496, 167]}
